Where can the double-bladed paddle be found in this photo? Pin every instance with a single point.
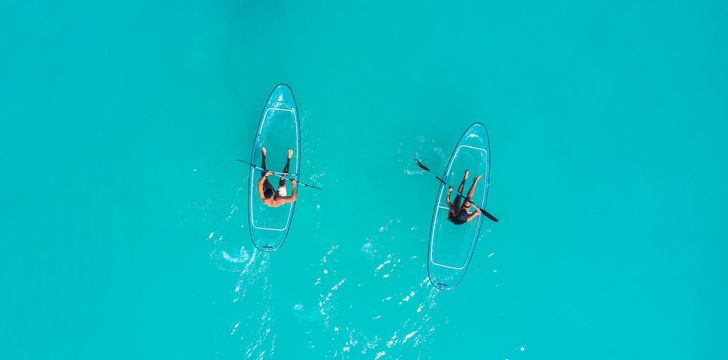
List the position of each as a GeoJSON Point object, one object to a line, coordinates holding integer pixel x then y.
{"type": "Point", "coordinates": [280, 174]}
{"type": "Point", "coordinates": [482, 211]}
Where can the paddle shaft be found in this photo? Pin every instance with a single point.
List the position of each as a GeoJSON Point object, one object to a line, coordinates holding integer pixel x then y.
{"type": "Point", "coordinates": [423, 167]}
{"type": "Point", "coordinates": [280, 174]}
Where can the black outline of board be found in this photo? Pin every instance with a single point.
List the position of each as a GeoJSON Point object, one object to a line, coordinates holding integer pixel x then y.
{"type": "Point", "coordinates": [252, 154]}
{"type": "Point", "coordinates": [432, 223]}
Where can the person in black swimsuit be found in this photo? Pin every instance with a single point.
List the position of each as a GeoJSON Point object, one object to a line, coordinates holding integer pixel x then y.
{"type": "Point", "coordinates": [461, 214]}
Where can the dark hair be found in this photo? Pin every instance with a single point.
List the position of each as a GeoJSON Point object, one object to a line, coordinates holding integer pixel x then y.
{"type": "Point", "coordinates": [457, 217]}
{"type": "Point", "coordinates": [268, 193]}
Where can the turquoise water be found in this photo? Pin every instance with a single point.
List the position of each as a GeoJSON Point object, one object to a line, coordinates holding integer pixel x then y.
{"type": "Point", "coordinates": [125, 226]}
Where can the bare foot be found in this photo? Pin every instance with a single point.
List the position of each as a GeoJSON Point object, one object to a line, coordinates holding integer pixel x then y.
{"type": "Point", "coordinates": [290, 153]}
{"type": "Point", "coordinates": [467, 173]}
{"type": "Point", "coordinates": [477, 178]}
{"type": "Point", "coordinates": [263, 151]}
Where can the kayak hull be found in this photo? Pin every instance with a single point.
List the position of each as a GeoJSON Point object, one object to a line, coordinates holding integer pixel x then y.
{"type": "Point", "coordinates": [279, 131]}
{"type": "Point", "coordinates": [452, 246]}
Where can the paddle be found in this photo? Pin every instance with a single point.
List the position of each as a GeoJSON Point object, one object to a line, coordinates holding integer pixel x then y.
{"type": "Point", "coordinates": [280, 174]}
{"type": "Point", "coordinates": [482, 211]}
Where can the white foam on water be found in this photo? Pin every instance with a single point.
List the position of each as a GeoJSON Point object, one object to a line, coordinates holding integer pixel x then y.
{"type": "Point", "coordinates": [410, 172]}
{"type": "Point", "coordinates": [335, 287]}
{"type": "Point", "coordinates": [233, 209]}
{"type": "Point", "coordinates": [415, 320]}
{"type": "Point", "coordinates": [326, 299]}
{"type": "Point", "coordinates": [368, 248]}
{"type": "Point", "coordinates": [262, 338]}
{"type": "Point", "coordinates": [392, 340]}
{"type": "Point", "coordinates": [407, 321]}
{"type": "Point", "coordinates": [406, 337]}
{"type": "Point", "coordinates": [252, 275]}
{"type": "Point", "coordinates": [234, 260]}
{"type": "Point", "coordinates": [389, 260]}
{"type": "Point", "coordinates": [408, 297]}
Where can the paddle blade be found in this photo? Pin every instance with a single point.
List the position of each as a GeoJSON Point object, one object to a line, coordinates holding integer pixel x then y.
{"type": "Point", "coordinates": [488, 215]}
{"type": "Point", "coordinates": [421, 165]}
{"type": "Point", "coordinates": [311, 186]}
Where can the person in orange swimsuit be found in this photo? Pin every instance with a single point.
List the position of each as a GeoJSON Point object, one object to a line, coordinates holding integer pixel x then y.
{"type": "Point", "coordinates": [268, 194]}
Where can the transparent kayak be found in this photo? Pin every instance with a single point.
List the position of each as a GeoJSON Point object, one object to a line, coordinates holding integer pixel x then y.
{"type": "Point", "coordinates": [278, 131]}
{"type": "Point", "coordinates": [451, 246]}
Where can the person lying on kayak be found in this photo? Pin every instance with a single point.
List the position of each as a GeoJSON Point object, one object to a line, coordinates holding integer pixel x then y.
{"type": "Point", "coordinates": [269, 195]}
{"type": "Point", "coordinates": [461, 214]}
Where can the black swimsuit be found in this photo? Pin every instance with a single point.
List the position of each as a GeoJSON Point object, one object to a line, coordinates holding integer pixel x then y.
{"type": "Point", "coordinates": [462, 212]}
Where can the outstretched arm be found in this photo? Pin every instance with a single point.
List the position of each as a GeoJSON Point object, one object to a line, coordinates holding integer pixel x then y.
{"type": "Point", "coordinates": [474, 214]}
{"type": "Point", "coordinates": [294, 192]}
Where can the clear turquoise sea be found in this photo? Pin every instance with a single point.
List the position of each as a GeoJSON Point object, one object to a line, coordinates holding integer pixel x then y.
{"type": "Point", "coordinates": [124, 228]}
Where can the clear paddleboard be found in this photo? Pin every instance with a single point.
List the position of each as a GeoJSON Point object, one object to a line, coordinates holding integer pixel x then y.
{"type": "Point", "coordinates": [278, 131]}
{"type": "Point", "coordinates": [451, 246]}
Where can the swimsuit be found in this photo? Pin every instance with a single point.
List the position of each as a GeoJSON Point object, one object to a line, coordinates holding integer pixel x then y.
{"type": "Point", "coordinates": [462, 212]}
{"type": "Point", "coordinates": [282, 191]}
